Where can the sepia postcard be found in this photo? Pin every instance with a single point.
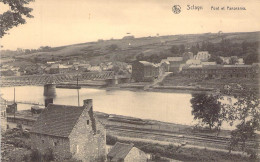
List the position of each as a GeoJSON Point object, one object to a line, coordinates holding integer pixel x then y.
{"type": "Point", "coordinates": [129, 81]}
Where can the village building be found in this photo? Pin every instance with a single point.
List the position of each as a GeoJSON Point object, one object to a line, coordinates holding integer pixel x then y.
{"type": "Point", "coordinates": [208, 63]}
{"type": "Point", "coordinates": [95, 68]}
{"type": "Point", "coordinates": [54, 69]}
{"type": "Point", "coordinates": [226, 60]}
{"type": "Point", "coordinates": [187, 55]}
{"type": "Point", "coordinates": [70, 131]}
{"type": "Point", "coordinates": [202, 55]}
{"type": "Point", "coordinates": [123, 152]}
{"type": "Point", "coordinates": [175, 63]}
{"type": "Point", "coordinates": [143, 71]}
{"type": "Point", "coordinates": [63, 69]}
{"type": "Point", "coordinates": [221, 71]}
{"type": "Point", "coordinates": [193, 62]}
{"type": "Point", "coordinates": [165, 65]}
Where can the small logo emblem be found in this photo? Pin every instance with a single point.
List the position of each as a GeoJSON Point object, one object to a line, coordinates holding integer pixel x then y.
{"type": "Point", "coordinates": [176, 9]}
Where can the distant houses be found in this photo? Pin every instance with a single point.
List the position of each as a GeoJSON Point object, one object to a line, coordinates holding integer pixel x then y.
{"type": "Point", "coordinates": [70, 131]}
{"type": "Point", "coordinates": [221, 71]}
{"type": "Point", "coordinates": [194, 66]}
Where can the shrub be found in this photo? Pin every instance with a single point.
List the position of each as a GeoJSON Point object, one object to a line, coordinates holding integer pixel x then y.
{"type": "Point", "coordinates": [36, 155]}
{"type": "Point", "coordinates": [49, 156]}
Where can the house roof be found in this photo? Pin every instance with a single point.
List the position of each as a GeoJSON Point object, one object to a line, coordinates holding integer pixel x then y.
{"type": "Point", "coordinates": [174, 58]}
{"type": "Point", "coordinates": [146, 63]}
{"type": "Point", "coordinates": [208, 63]}
{"type": "Point", "coordinates": [57, 120]}
{"type": "Point", "coordinates": [119, 151]}
{"type": "Point", "coordinates": [193, 61]}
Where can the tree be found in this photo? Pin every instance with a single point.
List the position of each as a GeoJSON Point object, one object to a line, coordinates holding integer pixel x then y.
{"type": "Point", "coordinates": [113, 47]}
{"type": "Point", "coordinates": [251, 56]}
{"type": "Point", "coordinates": [182, 48]}
{"type": "Point", "coordinates": [246, 112]}
{"type": "Point", "coordinates": [175, 49]}
{"type": "Point", "coordinates": [233, 60]}
{"type": "Point", "coordinates": [217, 59]}
{"type": "Point", "coordinates": [14, 16]}
{"type": "Point", "coordinates": [206, 107]}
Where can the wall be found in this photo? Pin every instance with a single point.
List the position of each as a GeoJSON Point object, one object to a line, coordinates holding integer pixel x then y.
{"type": "Point", "coordinates": [85, 144]}
{"type": "Point", "coordinates": [136, 155]}
{"type": "Point", "coordinates": [137, 71]}
{"type": "Point", "coordinates": [220, 72]}
{"type": "Point", "coordinates": [42, 142]}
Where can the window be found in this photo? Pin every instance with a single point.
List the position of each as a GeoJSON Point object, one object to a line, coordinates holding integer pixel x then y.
{"type": "Point", "coordinates": [42, 141]}
{"type": "Point", "coordinates": [55, 143]}
{"type": "Point", "coordinates": [87, 122]}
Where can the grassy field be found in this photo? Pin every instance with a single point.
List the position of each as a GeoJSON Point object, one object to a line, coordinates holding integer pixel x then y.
{"type": "Point", "coordinates": [126, 50]}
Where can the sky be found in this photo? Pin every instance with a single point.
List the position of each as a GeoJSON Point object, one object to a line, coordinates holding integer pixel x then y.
{"type": "Point", "coordinates": [65, 22]}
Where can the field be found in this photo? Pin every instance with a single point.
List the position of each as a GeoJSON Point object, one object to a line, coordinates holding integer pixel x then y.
{"type": "Point", "coordinates": [126, 50]}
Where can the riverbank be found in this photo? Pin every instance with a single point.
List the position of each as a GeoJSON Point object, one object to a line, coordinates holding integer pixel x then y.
{"type": "Point", "coordinates": [142, 87]}
{"type": "Point", "coordinates": [150, 131]}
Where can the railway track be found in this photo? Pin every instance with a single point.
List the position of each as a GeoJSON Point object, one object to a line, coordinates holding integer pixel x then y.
{"type": "Point", "coordinates": [190, 139]}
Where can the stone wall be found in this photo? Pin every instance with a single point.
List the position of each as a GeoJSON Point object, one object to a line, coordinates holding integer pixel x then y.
{"type": "Point", "coordinates": [85, 144]}
{"type": "Point", "coordinates": [136, 155]}
{"type": "Point", "coordinates": [60, 146]}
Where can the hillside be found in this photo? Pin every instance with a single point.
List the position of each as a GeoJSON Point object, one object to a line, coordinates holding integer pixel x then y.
{"type": "Point", "coordinates": [126, 50]}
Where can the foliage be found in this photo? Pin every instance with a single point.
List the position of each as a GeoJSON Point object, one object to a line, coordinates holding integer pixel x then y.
{"type": "Point", "coordinates": [226, 48]}
{"type": "Point", "coordinates": [251, 56]}
{"type": "Point", "coordinates": [233, 60]}
{"type": "Point", "coordinates": [206, 107]}
{"type": "Point", "coordinates": [217, 59]}
{"type": "Point", "coordinates": [14, 16]}
{"type": "Point", "coordinates": [113, 47]}
{"type": "Point", "coordinates": [36, 155]}
{"type": "Point", "coordinates": [246, 112]}
{"type": "Point", "coordinates": [175, 49]}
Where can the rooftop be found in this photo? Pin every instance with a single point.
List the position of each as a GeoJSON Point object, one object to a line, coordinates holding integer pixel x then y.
{"type": "Point", "coordinates": [119, 151]}
{"type": "Point", "coordinates": [146, 63]}
{"type": "Point", "coordinates": [57, 120]}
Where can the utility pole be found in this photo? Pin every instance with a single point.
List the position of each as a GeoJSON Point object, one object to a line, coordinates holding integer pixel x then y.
{"type": "Point", "coordinates": [78, 86]}
{"type": "Point", "coordinates": [14, 104]}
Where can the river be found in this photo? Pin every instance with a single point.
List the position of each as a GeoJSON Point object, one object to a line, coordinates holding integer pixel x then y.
{"type": "Point", "coordinates": [167, 107]}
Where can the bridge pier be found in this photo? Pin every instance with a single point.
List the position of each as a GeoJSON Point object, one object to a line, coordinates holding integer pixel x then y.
{"type": "Point", "coordinates": [49, 90]}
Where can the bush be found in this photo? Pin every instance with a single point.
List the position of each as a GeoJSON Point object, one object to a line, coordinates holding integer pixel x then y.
{"type": "Point", "coordinates": [36, 155]}
{"type": "Point", "coordinates": [49, 156]}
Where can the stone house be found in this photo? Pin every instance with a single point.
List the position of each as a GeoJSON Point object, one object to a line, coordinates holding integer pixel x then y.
{"type": "Point", "coordinates": [70, 131]}
{"type": "Point", "coordinates": [143, 71]}
{"type": "Point", "coordinates": [122, 152]}
{"type": "Point", "coordinates": [220, 71]}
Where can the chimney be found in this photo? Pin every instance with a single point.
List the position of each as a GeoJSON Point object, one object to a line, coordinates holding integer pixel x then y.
{"type": "Point", "coordinates": [88, 103]}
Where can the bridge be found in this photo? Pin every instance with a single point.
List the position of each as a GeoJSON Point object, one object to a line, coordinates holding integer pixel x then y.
{"type": "Point", "coordinates": [54, 78]}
